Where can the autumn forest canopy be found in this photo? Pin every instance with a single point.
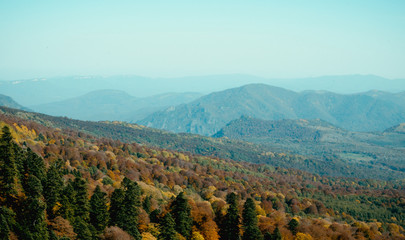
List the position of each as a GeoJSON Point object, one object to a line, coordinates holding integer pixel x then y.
{"type": "Point", "coordinates": [66, 183]}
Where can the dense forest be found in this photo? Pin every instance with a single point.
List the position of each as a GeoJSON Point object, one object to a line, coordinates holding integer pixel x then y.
{"type": "Point", "coordinates": [379, 163]}
{"type": "Point", "coordinates": [67, 184]}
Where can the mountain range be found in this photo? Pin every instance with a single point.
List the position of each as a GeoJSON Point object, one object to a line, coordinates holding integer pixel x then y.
{"type": "Point", "coordinates": [38, 91]}
{"type": "Point", "coordinates": [112, 105]}
{"type": "Point", "coordinates": [9, 102]}
{"type": "Point", "coordinates": [369, 111]}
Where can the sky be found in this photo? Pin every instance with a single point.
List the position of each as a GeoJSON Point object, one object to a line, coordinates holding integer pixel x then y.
{"type": "Point", "coordinates": [272, 39]}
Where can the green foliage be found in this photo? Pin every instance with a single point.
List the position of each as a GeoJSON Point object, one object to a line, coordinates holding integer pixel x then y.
{"type": "Point", "coordinates": [124, 209]}
{"type": "Point", "coordinates": [67, 202]}
{"type": "Point", "coordinates": [117, 207]}
{"type": "Point", "coordinates": [4, 228]}
{"type": "Point", "coordinates": [32, 215]}
{"type": "Point", "coordinates": [8, 170]}
{"type": "Point", "coordinates": [276, 234]}
{"type": "Point", "coordinates": [35, 165]}
{"type": "Point", "coordinates": [146, 204]}
{"type": "Point", "coordinates": [98, 210]}
{"type": "Point", "coordinates": [81, 202]}
{"type": "Point", "coordinates": [82, 229]}
{"type": "Point", "coordinates": [230, 226]}
{"type": "Point", "coordinates": [249, 220]}
{"type": "Point", "coordinates": [53, 188]}
{"type": "Point", "coordinates": [180, 210]}
{"type": "Point", "coordinates": [167, 228]}
{"type": "Point", "coordinates": [293, 226]}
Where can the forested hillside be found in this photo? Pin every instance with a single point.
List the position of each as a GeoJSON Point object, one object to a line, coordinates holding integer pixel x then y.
{"type": "Point", "coordinates": [327, 162]}
{"type": "Point", "coordinates": [65, 184]}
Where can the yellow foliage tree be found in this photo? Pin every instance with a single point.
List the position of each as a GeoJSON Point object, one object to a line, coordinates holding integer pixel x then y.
{"type": "Point", "coordinates": [303, 236]}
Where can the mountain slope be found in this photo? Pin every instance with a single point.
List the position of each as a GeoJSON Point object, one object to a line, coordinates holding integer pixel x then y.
{"type": "Point", "coordinates": [207, 115]}
{"type": "Point", "coordinates": [113, 105]}
{"type": "Point", "coordinates": [76, 167]}
{"type": "Point", "coordinates": [387, 163]}
{"type": "Point", "coordinates": [7, 101]}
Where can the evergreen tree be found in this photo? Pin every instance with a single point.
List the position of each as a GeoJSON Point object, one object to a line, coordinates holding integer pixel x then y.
{"type": "Point", "coordinates": [81, 202]}
{"type": "Point", "coordinates": [98, 210]}
{"type": "Point", "coordinates": [7, 222]}
{"type": "Point", "coordinates": [277, 234]}
{"type": "Point", "coordinates": [250, 227]}
{"type": "Point", "coordinates": [67, 200]}
{"type": "Point", "coordinates": [33, 214]}
{"type": "Point", "coordinates": [53, 187]}
{"type": "Point", "coordinates": [8, 170]}
{"type": "Point", "coordinates": [293, 226]}
{"type": "Point", "coordinates": [167, 225]}
{"type": "Point", "coordinates": [4, 228]}
{"type": "Point", "coordinates": [181, 212]}
{"type": "Point", "coordinates": [146, 204]}
{"type": "Point", "coordinates": [82, 230]}
{"type": "Point", "coordinates": [35, 165]}
{"type": "Point", "coordinates": [116, 207]}
{"type": "Point", "coordinates": [230, 225]}
{"type": "Point", "coordinates": [125, 205]}
{"type": "Point", "coordinates": [131, 204]}
{"type": "Point", "coordinates": [268, 236]}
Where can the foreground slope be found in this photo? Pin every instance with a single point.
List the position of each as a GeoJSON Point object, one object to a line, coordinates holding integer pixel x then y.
{"type": "Point", "coordinates": [208, 114]}
{"type": "Point", "coordinates": [323, 207]}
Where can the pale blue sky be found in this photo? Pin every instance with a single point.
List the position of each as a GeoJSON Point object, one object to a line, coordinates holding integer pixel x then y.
{"type": "Point", "coordinates": [272, 39]}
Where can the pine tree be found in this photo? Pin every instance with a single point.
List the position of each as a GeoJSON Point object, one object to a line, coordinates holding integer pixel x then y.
{"type": "Point", "coordinates": [131, 204]}
{"type": "Point", "coordinates": [34, 213]}
{"type": "Point", "coordinates": [146, 204]}
{"type": "Point", "coordinates": [8, 170]}
{"type": "Point", "coordinates": [293, 226]}
{"type": "Point", "coordinates": [7, 222]}
{"type": "Point", "coordinates": [4, 228]}
{"type": "Point", "coordinates": [277, 234]}
{"type": "Point", "coordinates": [98, 210]}
{"type": "Point", "coordinates": [167, 225]}
{"type": "Point", "coordinates": [250, 227]}
{"type": "Point", "coordinates": [53, 187]}
{"type": "Point", "coordinates": [116, 207]}
{"type": "Point", "coordinates": [125, 205]}
{"type": "Point", "coordinates": [67, 200]}
{"type": "Point", "coordinates": [230, 225]}
{"type": "Point", "coordinates": [81, 202]}
{"type": "Point", "coordinates": [181, 212]}
{"type": "Point", "coordinates": [82, 230]}
{"type": "Point", "coordinates": [35, 165]}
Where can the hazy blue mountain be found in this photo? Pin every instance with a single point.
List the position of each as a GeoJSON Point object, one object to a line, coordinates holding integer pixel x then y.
{"type": "Point", "coordinates": [7, 101]}
{"type": "Point", "coordinates": [400, 128]}
{"type": "Point", "coordinates": [113, 105]}
{"type": "Point", "coordinates": [207, 115]}
{"type": "Point", "coordinates": [342, 83]}
{"type": "Point", "coordinates": [45, 90]}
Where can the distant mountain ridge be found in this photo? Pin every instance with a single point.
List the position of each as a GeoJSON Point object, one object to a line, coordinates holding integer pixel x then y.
{"type": "Point", "coordinates": [7, 101]}
{"type": "Point", "coordinates": [208, 114]}
{"type": "Point", "coordinates": [45, 90]}
{"type": "Point", "coordinates": [109, 104]}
